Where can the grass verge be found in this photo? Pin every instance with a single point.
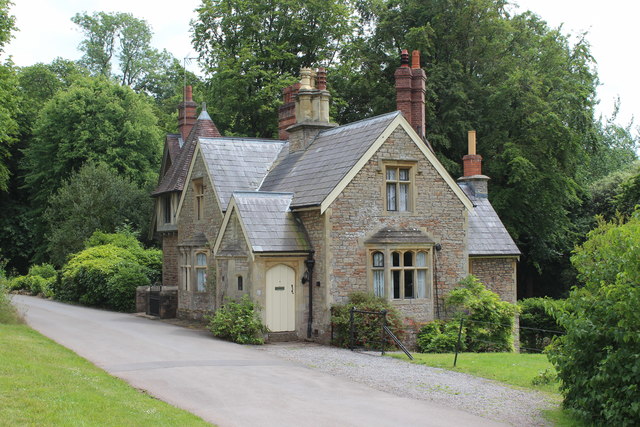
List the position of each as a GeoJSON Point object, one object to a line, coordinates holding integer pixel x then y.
{"type": "Point", "coordinates": [43, 383]}
{"type": "Point", "coordinates": [517, 369]}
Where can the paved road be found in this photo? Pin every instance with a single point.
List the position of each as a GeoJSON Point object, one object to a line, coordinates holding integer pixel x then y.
{"type": "Point", "coordinates": [225, 383]}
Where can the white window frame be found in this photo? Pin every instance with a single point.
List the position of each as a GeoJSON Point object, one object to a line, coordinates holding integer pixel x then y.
{"type": "Point", "coordinates": [386, 289]}
{"type": "Point", "coordinates": [399, 176]}
{"type": "Point", "coordinates": [200, 285]}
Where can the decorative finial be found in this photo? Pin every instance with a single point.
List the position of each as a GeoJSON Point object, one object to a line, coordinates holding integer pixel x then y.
{"type": "Point", "coordinates": [204, 106]}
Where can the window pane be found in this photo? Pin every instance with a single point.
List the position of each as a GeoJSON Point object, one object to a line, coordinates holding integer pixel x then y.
{"type": "Point", "coordinates": [240, 285]}
{"type": "Point", "coordinates": [201, 259]}
{"type": "Point", "coordinates": [395, 277]}
{"type": "Point", "coordinates": [202, 278]}
{"type": "Point", "coordinates": [378, 283]}
{"type": "Point", "coordinates": [391, 197]}
{"type": "Point", "coordinates": [408, 284]}
{"type": "Point", "coordinates": [408, 259]}
{"type": "Point", "coordinates": [391, 174]}
{"type": "Point", "coordinates": [404, 174]}
{"type": "Point", "coordinates": [395, 257]}
{"type": "Point", "coordinates": [422, 284]}
{"type": "Point", "coordinates": [404, 198]}
{"type": "Point", "coordinates": [421, 259]}
{"type": "Point", "coordinates": [378, 259]}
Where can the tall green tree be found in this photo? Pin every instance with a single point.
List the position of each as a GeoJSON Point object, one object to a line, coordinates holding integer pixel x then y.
{"type": "Point", "coordinates": [8, 105]}
{"type": "Point", "coordinates": [94, 120]}
{"type": "Point", "coordinates": [254, 48]}
{"type": "Point", "coordinates": [95, 198]}
{"type": "Point", "coordinates": [122, 42]}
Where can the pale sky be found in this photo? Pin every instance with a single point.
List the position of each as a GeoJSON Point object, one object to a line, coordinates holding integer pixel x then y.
{"type": "Point", "coordinates": [46, 32]}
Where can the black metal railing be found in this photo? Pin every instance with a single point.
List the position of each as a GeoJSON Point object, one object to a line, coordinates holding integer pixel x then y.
{"type": "Point", "coordinates": [384, 330]}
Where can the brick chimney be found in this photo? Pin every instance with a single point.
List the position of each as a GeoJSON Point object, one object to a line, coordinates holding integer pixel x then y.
{"type": "Point", "coordinates": [472, 168]}
{"type": "Point", "coordinates": [287, 112]}
{"type": "Point", "coordinates": [311, 112]}
{"type": "Point", "coordinates": [187, 113]}
{"type": "Point", "coordinates": [411, 89]}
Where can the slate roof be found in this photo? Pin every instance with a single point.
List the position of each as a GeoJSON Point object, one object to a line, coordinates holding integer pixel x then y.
{"type": "Point", "coordinates": [238, 164]}
{"type": "Point", "coordinates": [174, 179]}
{"type": "Point", "coordinates": [487, 235]}
{"type": "Point", "coordinates": [313, 173]}
{"type": "Point", "coordinates": [174, 144]}
{"type": "Point", "coordinates": [268, 222]}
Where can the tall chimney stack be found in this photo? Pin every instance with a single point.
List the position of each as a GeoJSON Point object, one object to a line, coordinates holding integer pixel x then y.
{"type": "Point", "coordinates": [411, 89]}
{"type": "Point", "coordinates": [187, 113]}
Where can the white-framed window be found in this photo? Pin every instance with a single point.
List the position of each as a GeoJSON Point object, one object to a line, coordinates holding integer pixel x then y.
{"type": "Point", "coordinates": [201, 271]}
{"type": "Point", "coordinates": [185, 270]}
{"type": "Point", "coordinates": [377, 263]}
{"type": "Point", "coordinates": [398, 188]}
{"type": "Point", "coordinates": [401, 274]}
{"type": "Point", "coordinates": [198, 192]}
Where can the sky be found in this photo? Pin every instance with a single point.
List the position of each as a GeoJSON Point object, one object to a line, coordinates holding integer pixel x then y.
{"type": "Point", "coordinates": [46, 32]}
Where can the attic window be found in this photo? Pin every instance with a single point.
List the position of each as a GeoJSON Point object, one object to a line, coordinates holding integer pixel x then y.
{"type": "Point", "coordinates": [198, 191]}
{"type": "Point", "coordinates": [398, 188]}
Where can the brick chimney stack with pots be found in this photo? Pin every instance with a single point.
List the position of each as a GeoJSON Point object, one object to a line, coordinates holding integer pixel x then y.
{"type": "Point", "coordinates": [311, 112]}
{"type": "Point", "coordinates": [410, 90]}
{"type": "Point", "coordinates": [472, 168]}
{"type": "Point", "coordinates": [187, 113]}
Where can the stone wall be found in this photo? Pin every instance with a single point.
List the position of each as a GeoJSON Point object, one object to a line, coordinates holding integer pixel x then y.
{"type": "Point", "coordinates": [170, 259]}
{"type": "Point", "coordinates": [360, 211]}
{"type": "Point", "coordinates": [193, 304]}
{"type": "Point", "coordinates": [497, 274]}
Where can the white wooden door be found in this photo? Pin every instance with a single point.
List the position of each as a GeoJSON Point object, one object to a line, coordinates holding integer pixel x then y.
{"type": "Point", "coordinates": [280, 310]}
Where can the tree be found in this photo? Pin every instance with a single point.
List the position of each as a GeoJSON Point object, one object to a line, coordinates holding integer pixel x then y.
{"type": "Point", "coordinates": [94, 120]}
{"type": "Point", "coordinates": [254, 48]}
{"type": "Point", "coordinates": [121, 36]}
{"type": "Point", "coordinates": [598, 360]}
{"type": "Point", "coordinates": [93, 199]}
{"type": "Point", "coordinates": [8, 105]}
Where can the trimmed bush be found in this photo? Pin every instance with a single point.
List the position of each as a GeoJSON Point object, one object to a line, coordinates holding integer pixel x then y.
{"type": "Point", "coordinates": [440, 337]}
{"type": "Point", "coordinates": [367, 327]}
{"type": "Point", "coordinates": [238, 321]}
{"type": "Point", "coordinates": [537, 313]}
{"type": "Point", "coordinates": [107, 272]}
{"type": "Point", "coordinates": [489, 322]}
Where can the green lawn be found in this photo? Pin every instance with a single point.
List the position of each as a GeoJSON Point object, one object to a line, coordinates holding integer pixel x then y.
{"type": "Point", "coordinates": [43, 383]}
{"type": "Point", "coordinates": [517, 369]}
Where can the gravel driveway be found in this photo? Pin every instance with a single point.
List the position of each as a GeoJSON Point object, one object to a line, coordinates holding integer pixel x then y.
{"type": "Point", "coordinates": [461, 391]}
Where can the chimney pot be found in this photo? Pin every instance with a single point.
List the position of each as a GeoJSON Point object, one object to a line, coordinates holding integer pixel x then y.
{"type": "Point", "coordinates": [404, 58]}
{"type": "Point", "coordinates": [187, 113]}
{"type": "Point", "coordinates": [471, 142]}
{"type": "Point", "coordinates": [415, 59]}
{"type": "Point", "coordinates": [322, 78]}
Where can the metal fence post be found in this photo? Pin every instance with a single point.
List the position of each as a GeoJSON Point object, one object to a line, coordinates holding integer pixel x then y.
{"type": "Point", "coordinates": [351, 330]}
{"type": "Point", "coordinates": [384, 325]}
{"type": "Point", "coordinates": [455, 359]}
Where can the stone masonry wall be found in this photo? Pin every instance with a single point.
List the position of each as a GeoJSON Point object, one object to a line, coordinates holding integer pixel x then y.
{"type": "Point", "coordinates": [314, 224]}
{"type": "Point", "coordinates": [360, 211]}
{"type": "Point", "coordinates": [497, 274]}
{"type": "Point", "coordinates": [170, 257]}
{"type": "Point", "coordinates": [193, 304]}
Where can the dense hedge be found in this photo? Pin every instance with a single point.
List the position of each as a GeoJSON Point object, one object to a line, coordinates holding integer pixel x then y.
{"type": "Point", "coordinates": [367, 327]}
{"type": "Point", "coordinates": [598, 360]}
{"type": "Point", "coordinates": [537, 313]}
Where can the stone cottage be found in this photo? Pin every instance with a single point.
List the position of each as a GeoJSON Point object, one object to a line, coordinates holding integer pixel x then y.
{"type": "Point", "coordinates": [301, 222]}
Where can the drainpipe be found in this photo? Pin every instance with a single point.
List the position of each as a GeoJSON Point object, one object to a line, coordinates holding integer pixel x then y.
{"type": "Point", "coordinates": [309, 263]}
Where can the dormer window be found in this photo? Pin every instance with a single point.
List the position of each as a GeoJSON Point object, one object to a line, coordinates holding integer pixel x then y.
{"type": "Point", "coordinates": [398, 188]}
{"type": "Point", "coordinates": [166, 208]}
